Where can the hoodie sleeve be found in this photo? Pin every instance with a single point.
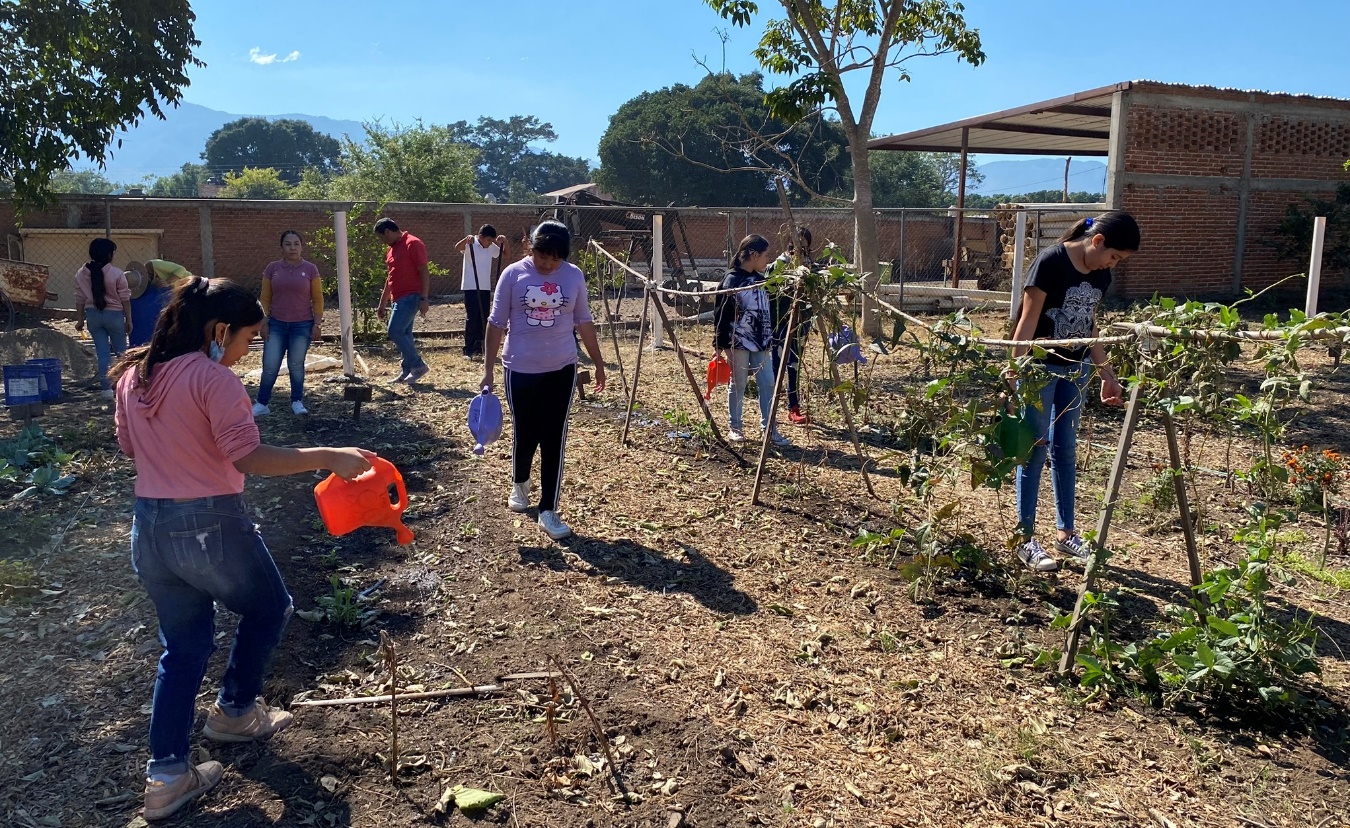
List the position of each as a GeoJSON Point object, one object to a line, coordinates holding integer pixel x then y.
{"type": "Point", "coordinates": [724, 315]}
{"type": "Point", "coordinates": [120, 414]}
{"type": "Point", "coordinates": [232, 424]}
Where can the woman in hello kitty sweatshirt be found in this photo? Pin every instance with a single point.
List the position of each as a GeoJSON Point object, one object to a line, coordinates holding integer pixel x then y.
{"type": "Point", "coordinates": [538, 303]}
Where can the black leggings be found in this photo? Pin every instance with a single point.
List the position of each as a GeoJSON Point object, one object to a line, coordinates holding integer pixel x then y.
{"type": "Point", "coordinates": [539, 406]}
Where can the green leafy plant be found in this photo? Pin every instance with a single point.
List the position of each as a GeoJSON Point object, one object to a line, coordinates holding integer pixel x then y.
{"type": "Point", "coordinates": [343, 606]}
{"type": "Point", "coordinates": [1223, 645]}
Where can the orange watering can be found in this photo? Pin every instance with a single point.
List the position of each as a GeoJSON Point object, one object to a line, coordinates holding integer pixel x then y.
{"type": "Point", "coordinates": [719, 373]}
{"type": "Point", "coordinates": [364, 501]}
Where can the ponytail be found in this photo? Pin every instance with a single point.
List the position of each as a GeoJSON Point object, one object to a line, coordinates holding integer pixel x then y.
{"type": "Point", "coordinates": [181, 327]}
{"type": "Point", "coordinates": [100, 253]}
{"type": "Point", "coordinates": [1118, 228]}
{"type": "Point", "coordinates": [752, 243]}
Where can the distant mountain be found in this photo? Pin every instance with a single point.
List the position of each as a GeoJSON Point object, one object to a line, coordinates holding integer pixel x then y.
{"type": "Point", "coordinates": [1017, 177]}
{"type": "Point", "coordinates": [158, 148]}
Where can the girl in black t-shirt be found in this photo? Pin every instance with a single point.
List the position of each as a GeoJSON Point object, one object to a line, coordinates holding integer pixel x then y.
{"type": "Point", "coordinates": [1063, 290]}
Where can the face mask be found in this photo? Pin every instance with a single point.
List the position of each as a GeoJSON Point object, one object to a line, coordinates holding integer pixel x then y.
{"type": "Point", "coordinates": [215, 351]}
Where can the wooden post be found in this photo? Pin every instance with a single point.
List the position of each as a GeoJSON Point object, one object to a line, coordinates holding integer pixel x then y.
{"type": "Point", "coordinates": [613, 329]}
{"type": "Point", "coordinates": [1315, 266]}
{"type": "Point", "coordinates": [693, 382]}
{"type": "Point", "coordinates": [960, 208]}
{"type": "Point", "coordinates": [344, 275]}
{"type": "Point", "coordinates": [1019, 257]}
{"type": "Point", "coordinates": [658, 271]}
{"type": "Point", "coordinates": [843, 404]}
{"type": "Point", "coordinates": [1094, 563]}
{"type": "Point", "coordinates": [637, 369]}
{"type": "Point", "coordinates": [773, 404]}
{"type": "Point", "coordinates": [1179, 484]}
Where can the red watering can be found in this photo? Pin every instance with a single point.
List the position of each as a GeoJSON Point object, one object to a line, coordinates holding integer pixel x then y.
{"type": "Point", "coordinates": [364, 501]}
{"type": "Point", "coordinates": [719, 373]}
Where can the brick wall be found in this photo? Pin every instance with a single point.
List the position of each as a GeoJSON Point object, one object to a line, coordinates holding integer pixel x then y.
{"type": "Point", "coordinates": [1191, 230]}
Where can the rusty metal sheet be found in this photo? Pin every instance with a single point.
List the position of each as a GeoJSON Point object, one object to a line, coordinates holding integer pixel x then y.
{"type": "Point", "coordinates": [23, 282]}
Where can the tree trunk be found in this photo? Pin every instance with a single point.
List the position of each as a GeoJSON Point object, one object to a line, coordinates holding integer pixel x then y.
{"type": "Point", "coordinates": [866, 248]}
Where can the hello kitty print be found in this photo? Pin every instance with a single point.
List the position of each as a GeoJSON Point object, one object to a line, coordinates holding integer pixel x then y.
{"type": "Point", "coordinates": [543, 304]}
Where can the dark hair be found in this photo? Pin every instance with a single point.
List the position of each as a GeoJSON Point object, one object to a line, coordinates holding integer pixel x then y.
{"type": "Point", "coordinates": [752, 243]}
{"type": "Point", "coordinates": [487, 230]}
{"type": "Point", "coordinates": [1117, 227]}
{"type": "Point", "coordinates": [100, 253]}
{"type": "Point", "coordinates": [385, 224]}
{"type": "Point", "coordinates": [552, 238]}
{"type": "Point", "coordinates": [181, 327]}
{"type": "Point", "coordinates": [292, 233]}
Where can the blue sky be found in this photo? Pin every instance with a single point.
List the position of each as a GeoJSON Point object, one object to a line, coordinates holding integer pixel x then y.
{"type": "Point", "coordinates": [573, 63]}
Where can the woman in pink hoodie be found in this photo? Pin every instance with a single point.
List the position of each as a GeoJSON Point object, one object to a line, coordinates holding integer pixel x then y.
{"type": "Point", "coordinates": [186, 420]}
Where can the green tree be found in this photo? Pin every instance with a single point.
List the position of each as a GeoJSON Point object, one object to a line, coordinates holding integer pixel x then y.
{"type": "Point", "coordinates": [82, 181]}
{"type": "Point", "coordinates": [185, 183]}
{"type": "Point", "coordinates": [287, 145]}
{"type": "Point", "coordinates": [819, 46]}
{"type": "Point", "coordinates": [1037, 197]}
{"type": "Point", "coordinates": [417, 163]}
{"type": "Point", "coordinates": [907, 179]}
{"type": "Point", "coordinates": [73, 72]}
{"type": "Point", "coordinates": [255, 183]}
{"type": "Point", "coordinates": [715, 144]}
{"type": "Point", "coordinates": [313, 186]}
{"type": "Point", "coordinates": [508, 168]}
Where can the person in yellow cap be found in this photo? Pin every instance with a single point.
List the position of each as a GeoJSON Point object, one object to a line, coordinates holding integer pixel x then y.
{"type": "Point", "coordinates": [152, 285]}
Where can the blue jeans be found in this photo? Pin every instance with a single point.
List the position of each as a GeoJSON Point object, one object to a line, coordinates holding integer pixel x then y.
{"type": "Point", "coordinates": [191, 555]}
{"type": "Point", "coordinates": [1055, 424]}
{"type": "Point", "coordinates": [743, 364]}
{"type": "Point", "coordinates": [401, 331]}
{"type": "Point", "coordinates": [291, 339]}
{"type": "Point", "coordinates": [109, 331]}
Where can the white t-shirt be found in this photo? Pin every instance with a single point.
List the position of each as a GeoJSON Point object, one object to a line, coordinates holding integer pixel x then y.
{"type": "Point", "coordinates": [483, 257]}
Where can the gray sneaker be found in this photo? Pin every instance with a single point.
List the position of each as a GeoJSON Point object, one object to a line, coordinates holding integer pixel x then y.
{"type": "Point", "coordinates": [1034, 556]}
{"type": "Point", "coordinates": [1075, 547]}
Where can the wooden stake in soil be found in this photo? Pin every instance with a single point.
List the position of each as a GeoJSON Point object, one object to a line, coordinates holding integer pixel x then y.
{"type": "Point", "coordinates": [391, 662]}
{"type": "Point", "coordinates": [614, 337]}
{"type": "Point", "coordinates": [693, 383]}
{"type": "Point", "coordinates": [595, 722]}
{"type": "Point", "coordinates": [637, 369]}
{"type": "Point", "coordinates": [843, 405]}
{"type": "Point", "coordinates": [1094, 563]}
{"type": "Point", "coordinates": [1179, 485]}
{"type": "Point", "coordinates": [773, 403]}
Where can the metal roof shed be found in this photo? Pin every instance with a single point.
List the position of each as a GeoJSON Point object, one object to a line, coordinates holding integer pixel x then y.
{"type": "Point", "coordinates": [1191, 162]}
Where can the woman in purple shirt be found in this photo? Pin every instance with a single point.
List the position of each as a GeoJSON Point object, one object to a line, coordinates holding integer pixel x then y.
{"type": "Point", "coordinates": [292, 298]}
{"type": "Point", "coordinates": [540, 301]}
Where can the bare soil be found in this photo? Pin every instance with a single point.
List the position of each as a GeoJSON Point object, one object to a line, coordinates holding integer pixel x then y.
{"type": "Point", "coordinates": [745, 664]}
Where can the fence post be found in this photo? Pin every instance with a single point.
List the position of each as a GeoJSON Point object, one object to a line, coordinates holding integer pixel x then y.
{"type": "Point", "coordinates": [344, 275]}
{"type": "Point", "coordinates": [1315, 266]}
{"type": "Point", "coordinates": [658, 239]}
{"type": "Point", "coordinates": [1019, 256]}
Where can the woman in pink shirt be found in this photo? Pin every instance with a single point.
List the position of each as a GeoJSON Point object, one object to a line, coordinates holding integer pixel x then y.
{"type": "Point", "coordinates": [103, 301]}
{"type": "Point", "coordinates": [292, 298]}
{"type": "Point", "coordinates": [184, 418]}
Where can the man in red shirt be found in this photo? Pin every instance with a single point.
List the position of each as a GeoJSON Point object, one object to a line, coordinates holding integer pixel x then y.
{"type": "Point", "coordinates": [407, 289]}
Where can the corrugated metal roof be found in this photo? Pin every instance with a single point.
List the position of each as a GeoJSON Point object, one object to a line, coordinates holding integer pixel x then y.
{"type": "Point", "coordinates": [1077, 124]}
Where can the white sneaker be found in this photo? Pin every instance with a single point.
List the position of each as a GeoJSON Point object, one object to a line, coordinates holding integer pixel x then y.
{"type": "Point", "coordinates": [1075, 547]}
{"type": "Point", "coordinates": [260, 410]}
{"type": "Point", "coordinates": [519, 501]}
{"type": "Point", "coordinates": [1035, 557]}
{"type": "Point", "coordinates": [779, 440]}
{"type": "Point", "coordinates": [735, 436]}
{"type": "Point", "coordinates": [553, 525]}
{"type": "Point", "coordinates": [299, 408]}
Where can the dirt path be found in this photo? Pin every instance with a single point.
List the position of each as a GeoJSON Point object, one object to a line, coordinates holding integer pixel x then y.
{"type": "Point", "coordinates": [748, 665]}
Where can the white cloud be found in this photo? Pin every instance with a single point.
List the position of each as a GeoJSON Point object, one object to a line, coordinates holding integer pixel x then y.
{"type": "Point", "coordinates": [255, 55]}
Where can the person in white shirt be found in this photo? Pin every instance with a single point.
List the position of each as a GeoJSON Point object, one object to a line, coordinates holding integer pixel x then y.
{"type": "Point", "coordinates": [482, 261]}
